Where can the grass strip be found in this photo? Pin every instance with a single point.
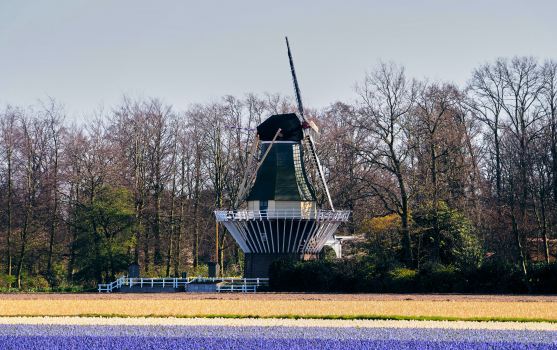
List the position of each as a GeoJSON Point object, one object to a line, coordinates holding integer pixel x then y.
{"type": "Point", "coordinates": [325, 317]}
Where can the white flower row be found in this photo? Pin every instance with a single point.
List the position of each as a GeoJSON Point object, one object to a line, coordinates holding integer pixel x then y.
{"type": "Point", "coordinates": [274, 322]}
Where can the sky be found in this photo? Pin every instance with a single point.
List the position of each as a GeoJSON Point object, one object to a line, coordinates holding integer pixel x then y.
{"type": "Point", "coordinates": [87, 54]}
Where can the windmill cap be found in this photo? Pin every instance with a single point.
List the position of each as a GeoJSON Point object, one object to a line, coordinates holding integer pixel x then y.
{"type": "Point", "coordinates": [291, 128]}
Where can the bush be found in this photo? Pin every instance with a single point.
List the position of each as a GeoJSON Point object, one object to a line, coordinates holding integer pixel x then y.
{"type": "Point", "coordinates": [332, 276]}
{"type": "Point", "coordinates": [543, 277]}
{"type": "Point", "coordinates": [34, 282]}
{"type": "Point", "coordinates": [6, 280]}
{"type": "Point", "coordinates": [436, 278]}
{"type": "Point", "coordinates": [497, 277]}
{"type": "Point", "coordinates": [401, 280]}
{"type": "Point", "coordinates": [363, 276]}
{"type": "Point", "coordinates": [53, 278]}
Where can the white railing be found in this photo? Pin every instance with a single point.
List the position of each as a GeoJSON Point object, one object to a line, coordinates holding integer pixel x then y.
{"type": "Point", "coordinates": [319, 215]}
{"type": "Point", "coordinates": [125, 282]}
{"type": "Point", "coordinates": [111, 286]}
{"type": "Point", "coordinates": [244, 288]}
{"type": "Point", "coordinates": [236, 280]}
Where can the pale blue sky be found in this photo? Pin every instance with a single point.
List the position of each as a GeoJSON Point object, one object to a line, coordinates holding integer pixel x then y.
{"type": "Point", "coordinates": [84, 53]}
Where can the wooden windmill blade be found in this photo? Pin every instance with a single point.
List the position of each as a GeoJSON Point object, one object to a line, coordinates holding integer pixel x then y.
{"type": "Point", "coordinates": [249, 180]}
{"type": "Point", "coordinates": [314, 159]}
{"type": "Point", "coordinates": [308, 139]}
{"type": "Point", "coordinates": [243, 189]}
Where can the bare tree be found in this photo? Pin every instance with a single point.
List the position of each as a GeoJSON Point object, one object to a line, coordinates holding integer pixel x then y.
{"type": "Point", "coordinates": [488, 89]}
{"type": "Point", "coordinates": [547, 161]}
{"type": "Point", "coordinates": [387, 98]}
{"type": "Point", "coordinates": [8, 142]}
{"type": "Point", "coordinates": [54, 114]}
{"type": "Point", "coordinates": [347, 172]}
{"type": "Point", "coordinates": [75, 153]}
{"type": "Point", "coordinates": [434, 108]}
{"type": "Point", "coordinates": [32, 147]}
{"type": "Point", "coordinates": [512, 88]}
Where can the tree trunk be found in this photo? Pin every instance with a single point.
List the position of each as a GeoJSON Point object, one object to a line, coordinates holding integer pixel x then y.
{"type": "Point", "coordinates": [521, 252]}
{"type": "Point", "coordinates": [497, 161]}
{"type": "Point", "coordinates": [544, 232]}
{"type": "Point", "coordinates": [8, 242]}
{"type": "Point", "coordinates": [197, 195]}
{"type": "Point", "coordinates": [22, 252]}
{"type": "Point", "coordinates": [20, 262]}
{"type": "Point", "coordinates": [404, 216]}
{"type": "Point", "coordinates": [179, 239]}
{"type": "Point", "coordinates": [157, 256]}
{"type": "Point", "coordinates": [170, 246]}
{"type": "Point", "coordinates": [436, 234]}
{"type": "Point", "coordinates": [406, 236]}
{"type": "Point", "coordinates": [55, 190]}
{"type": "Point", "coordinates": [73, 230]}
{"type": "Point", "coordinates": [222, 238]}
{"type": "Point", "coordinates": [146, 251]}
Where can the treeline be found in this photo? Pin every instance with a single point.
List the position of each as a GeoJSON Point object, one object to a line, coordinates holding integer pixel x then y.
{"type": "Point", "coordinates": [358, 275]}
{"type": "Point", "coordinates": [434, 174]}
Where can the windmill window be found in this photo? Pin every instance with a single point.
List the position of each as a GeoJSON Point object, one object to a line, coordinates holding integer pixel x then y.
{"type": "Point", "coordinates": [263, 205]}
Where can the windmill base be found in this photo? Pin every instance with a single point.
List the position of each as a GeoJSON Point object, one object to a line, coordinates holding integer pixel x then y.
{"type": "Point", "coordinates": [257, 265]}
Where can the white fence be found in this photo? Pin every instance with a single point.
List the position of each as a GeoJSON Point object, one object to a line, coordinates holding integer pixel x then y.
{"type": "Point", "coordinates": [111, 286]}
{"type": "Point", "coordinates": [319, 215]}
{"type": "Point", "coordinates": [232, 284]}
{"type": "Point", "coordinates": [236, 288]}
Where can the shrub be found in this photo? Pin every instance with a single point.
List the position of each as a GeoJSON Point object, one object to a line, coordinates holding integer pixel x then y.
{"type": "Point", "coordinates": [6, 280]}
{"type": "Point", "coordinates": [333, 276]}
{"type": "Point", "coordinates": [436, 278]}
{"type": "Point", "coordinates": [543, 277]}
{"type": "Point", "coordinates": [53, 277]}
{"type": "Point", "coordinates": [497, 277]}
{"type": "Point", "coordinates": [34, 283]}
{"type": "Point", "coordinates": [364, 276]}
{"type": "Point", "coordinates": [401, 280]}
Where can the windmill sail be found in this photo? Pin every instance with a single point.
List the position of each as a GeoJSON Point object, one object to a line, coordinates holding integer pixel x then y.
{"type": "Point", "coordinates": [295, 81]}
{"type": "Point", "coordinates": [308, 140]}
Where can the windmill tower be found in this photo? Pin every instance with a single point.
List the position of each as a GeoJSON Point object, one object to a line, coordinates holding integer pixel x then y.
{"type": "Point", "coordinates": [282, 218]}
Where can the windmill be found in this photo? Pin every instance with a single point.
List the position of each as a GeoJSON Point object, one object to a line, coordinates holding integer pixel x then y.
{"type": "Point", "coordinates": [282, 218]}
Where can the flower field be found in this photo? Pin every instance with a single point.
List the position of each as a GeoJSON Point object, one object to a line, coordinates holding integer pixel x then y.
{"type": "Point", "coordinates": [246, 307]}
{"type": "Point", "coordinates": [219, 333]}
{"type": "Point", "coordinates": [54, 322]}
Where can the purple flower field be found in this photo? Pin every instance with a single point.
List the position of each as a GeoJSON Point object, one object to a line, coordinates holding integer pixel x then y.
{"type": "Point", "coordinates": [113, 333]}
{"type": "Point", "coordinates": [280, 332]}
{"type": "Point", "coordinates": [86, 342]}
